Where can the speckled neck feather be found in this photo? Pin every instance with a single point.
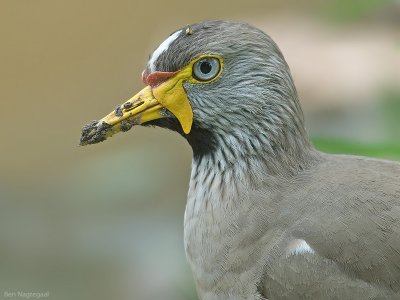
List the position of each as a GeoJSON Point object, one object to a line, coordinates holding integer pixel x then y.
{"type": "Point", "coordinates": [225, 162]}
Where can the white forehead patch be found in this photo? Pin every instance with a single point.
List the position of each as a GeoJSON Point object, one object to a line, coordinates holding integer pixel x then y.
{"type": "Point", "coordinates": [297, 247]}
{"type": "Point", "coordinates": [161, 49]}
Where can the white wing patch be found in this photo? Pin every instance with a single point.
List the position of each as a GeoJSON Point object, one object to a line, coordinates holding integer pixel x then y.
{"type": "Point", "coordinates": [298, 247]}
{"type": "Point", "coordinates": [161, 49]}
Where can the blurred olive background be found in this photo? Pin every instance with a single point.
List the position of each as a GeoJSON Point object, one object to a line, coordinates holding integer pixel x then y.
{"type": "Point", "coordinates": [106, 221]}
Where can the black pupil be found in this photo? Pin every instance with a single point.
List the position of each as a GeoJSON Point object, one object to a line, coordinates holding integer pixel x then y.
{"type": "Point", "coordinates": [205, 67]}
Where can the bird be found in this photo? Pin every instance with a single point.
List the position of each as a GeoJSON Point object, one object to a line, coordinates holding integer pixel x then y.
{"type": "Point", "coordinates": [268, 216]}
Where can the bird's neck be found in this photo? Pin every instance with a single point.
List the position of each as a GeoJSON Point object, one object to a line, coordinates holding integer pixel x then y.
{"type": "Point", "coordinates": [225, 164]}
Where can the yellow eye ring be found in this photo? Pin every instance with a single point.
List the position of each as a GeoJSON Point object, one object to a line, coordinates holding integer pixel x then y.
{"type": "Point", "coordinates": [206, 68]}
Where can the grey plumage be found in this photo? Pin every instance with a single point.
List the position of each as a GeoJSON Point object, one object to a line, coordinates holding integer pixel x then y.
{"type": "Point", "coordinates": [268, 216]}
{"type": "Point", "coordinates": [264, 186]}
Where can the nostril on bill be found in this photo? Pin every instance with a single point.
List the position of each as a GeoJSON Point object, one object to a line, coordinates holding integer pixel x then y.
{"type": "Point", "coordinates": [132, 105]}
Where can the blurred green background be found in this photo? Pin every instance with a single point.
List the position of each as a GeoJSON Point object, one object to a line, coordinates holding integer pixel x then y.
{"type": "Point", "coordinates": [105, 221]}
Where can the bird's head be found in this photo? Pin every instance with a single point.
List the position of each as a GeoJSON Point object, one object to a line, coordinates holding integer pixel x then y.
{"type": "Point", "coordinates": [210, 80]}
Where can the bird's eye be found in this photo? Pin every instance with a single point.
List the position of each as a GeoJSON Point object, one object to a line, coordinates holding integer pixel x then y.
{"type": "Point", "coordinates": [206, 69]}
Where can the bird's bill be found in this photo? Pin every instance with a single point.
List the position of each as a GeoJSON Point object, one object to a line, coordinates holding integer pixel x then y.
{"type": "Point", "coordinates": [147, 105]}
{"type": "Point", "coordinates": [139, 109]}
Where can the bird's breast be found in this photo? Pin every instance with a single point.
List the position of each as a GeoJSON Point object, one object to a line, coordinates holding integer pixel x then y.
{"type": "Point", "coordinates": [227, 238]}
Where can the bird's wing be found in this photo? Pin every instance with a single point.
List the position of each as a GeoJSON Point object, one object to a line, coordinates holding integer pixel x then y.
{"type": "Point", "coordinates": [354, 217]}
{"type": "Point", "coordinates": [311, 276]}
